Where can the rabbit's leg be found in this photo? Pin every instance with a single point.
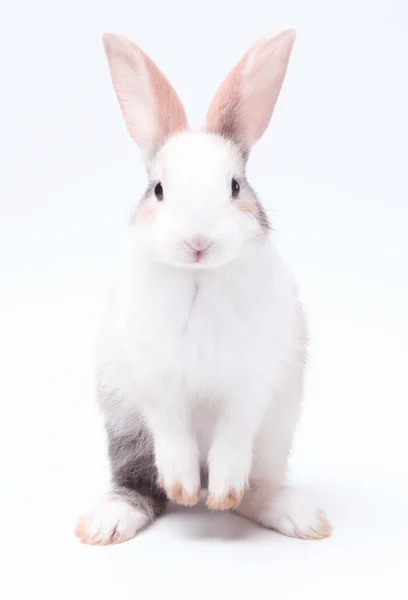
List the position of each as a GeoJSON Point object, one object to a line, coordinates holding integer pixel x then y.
{"type": "Point", "coordinates": [176, 449]}
{"type": "Point", "coordinates": [230, 454]}
{"type": "Point", "coordinates": [269, 500]}
{"type": "Point", "coordinates": [135, 499]}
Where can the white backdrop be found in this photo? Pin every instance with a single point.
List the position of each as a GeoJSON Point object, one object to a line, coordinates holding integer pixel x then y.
{"type": "Point", "coordinates": [332, 172]}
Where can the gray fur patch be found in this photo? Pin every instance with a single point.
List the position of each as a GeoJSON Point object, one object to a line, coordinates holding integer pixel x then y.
{"type": "Point", "coordinates": [134, 473]}
{"type": "Point", "coordinates": [261, 216]}
{"type": "Point", "coordinates": [148, 192]}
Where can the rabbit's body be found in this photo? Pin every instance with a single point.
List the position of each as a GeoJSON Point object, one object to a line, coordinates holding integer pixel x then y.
{"type": "Point", "coordinates": [203, 343]}
{"type": "Point", "coordinates": [200, 333]}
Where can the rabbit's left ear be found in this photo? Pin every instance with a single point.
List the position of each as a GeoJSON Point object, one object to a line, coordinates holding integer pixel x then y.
{"type": "Point", "coordinates": [243, 105]}
{"type": "Point", "coordinates": [150, 106]}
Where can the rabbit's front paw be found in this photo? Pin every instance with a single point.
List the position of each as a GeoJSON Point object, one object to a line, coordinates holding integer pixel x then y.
{"type": "Point", "coordinates": [179, 476]}
{"type": "Point", "coordinates": [178, 493]}
{"type": "Point", "coordinates": [228, 477]}
{"type": "Point", "coordinates": [227, 488]}
{"type": "Point", "coordinates": [231, 499]}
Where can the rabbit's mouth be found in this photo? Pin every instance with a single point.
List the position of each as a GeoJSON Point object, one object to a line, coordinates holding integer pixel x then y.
{"type": "Point", "coordinates": [211, 255]}
{"type": "Point", "coordinates": [204, 257]}
{"type": "Point", "coordinates": [199, 255]}
{"type": "Point", "coordinates": [198, 248]}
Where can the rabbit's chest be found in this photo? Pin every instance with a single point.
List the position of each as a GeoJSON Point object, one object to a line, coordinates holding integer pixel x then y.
{"type": "Point", "coordinates": [202, 339]}
{"type": "Point", "coordinates": [213, 343]}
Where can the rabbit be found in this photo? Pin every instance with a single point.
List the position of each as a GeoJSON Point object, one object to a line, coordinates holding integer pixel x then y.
{"type": "Point", "coordinates": [203, 344]}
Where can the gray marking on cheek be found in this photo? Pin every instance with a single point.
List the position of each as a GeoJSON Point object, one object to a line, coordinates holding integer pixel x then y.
{"type": "Point", "coordinates": [149, 191]}
{"type": "Point", "coordinates": [261, 216]}
{"type": "Point", "coordinates": [147, 194]}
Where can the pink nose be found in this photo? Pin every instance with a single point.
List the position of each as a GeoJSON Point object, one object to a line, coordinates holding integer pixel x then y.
{"type": "Point", "coordinates": [199, 242]}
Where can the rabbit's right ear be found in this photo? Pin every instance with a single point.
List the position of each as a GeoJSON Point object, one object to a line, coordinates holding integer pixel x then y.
{"type": "Point", "coordinates": [243, 105]}
{"type": "Point", "coordinates": [150, 106]}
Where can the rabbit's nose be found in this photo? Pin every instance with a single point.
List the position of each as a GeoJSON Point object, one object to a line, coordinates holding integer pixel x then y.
{"type": "Point", "coordinates": [199, 242]}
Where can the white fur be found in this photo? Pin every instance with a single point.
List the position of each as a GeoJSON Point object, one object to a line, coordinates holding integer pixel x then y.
{"type": "Point", "coordinates": [196, 171]}
{"type": "Point", "coordinates": [112, 521]}
{"type": "Point", "coordinates": [206, 355]}
{"type": "Point", "coordinates": [287, 511]}
{"type": "Point", "coordinates": [207, 350]}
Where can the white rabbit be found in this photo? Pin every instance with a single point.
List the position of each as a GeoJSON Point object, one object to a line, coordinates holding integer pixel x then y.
{"type": "Point", "coordinates": [203, 347]}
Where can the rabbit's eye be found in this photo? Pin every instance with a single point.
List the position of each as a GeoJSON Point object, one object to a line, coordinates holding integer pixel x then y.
{"type": "Point", "coordinates": [158, 191]}
{"type": "Point", "coordinates": [234, 188]}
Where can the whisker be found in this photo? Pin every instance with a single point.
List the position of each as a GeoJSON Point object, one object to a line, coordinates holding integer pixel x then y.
{"type": "Point", "coordinates": [278, 209]}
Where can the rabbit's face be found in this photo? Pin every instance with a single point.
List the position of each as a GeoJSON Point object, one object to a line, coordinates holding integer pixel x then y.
{"type": "Point", "coordinates": [199, 211]}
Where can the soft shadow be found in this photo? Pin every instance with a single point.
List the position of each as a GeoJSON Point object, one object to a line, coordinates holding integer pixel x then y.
{"type": "Point", "coordinates": [200, 523]}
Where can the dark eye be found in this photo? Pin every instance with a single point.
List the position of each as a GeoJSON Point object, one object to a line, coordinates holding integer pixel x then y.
{"type": "Point", "coordinates": [158, 191]}
{"type": "Point", "coordinates": [234, 188]}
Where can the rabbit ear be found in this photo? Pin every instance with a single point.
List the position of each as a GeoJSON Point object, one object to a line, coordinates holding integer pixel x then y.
{"type": "Point", "coordinates": [150, 106]}
{"type": "Point", "coordinates": [243, 105]}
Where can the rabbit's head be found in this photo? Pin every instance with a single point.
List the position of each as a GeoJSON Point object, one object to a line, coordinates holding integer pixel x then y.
{"type": "Point", "coordinates": [199, 210]}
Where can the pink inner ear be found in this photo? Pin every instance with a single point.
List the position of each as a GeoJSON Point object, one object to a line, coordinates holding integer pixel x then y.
{"type": "Point", "coordinates": [243, 104]}
{"type": "Point", "coordinates": [222, 116]}
{"type": "Point", "coordinates": [150, 106]}
{"type": "Point", "coordinates": [169, 109]}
